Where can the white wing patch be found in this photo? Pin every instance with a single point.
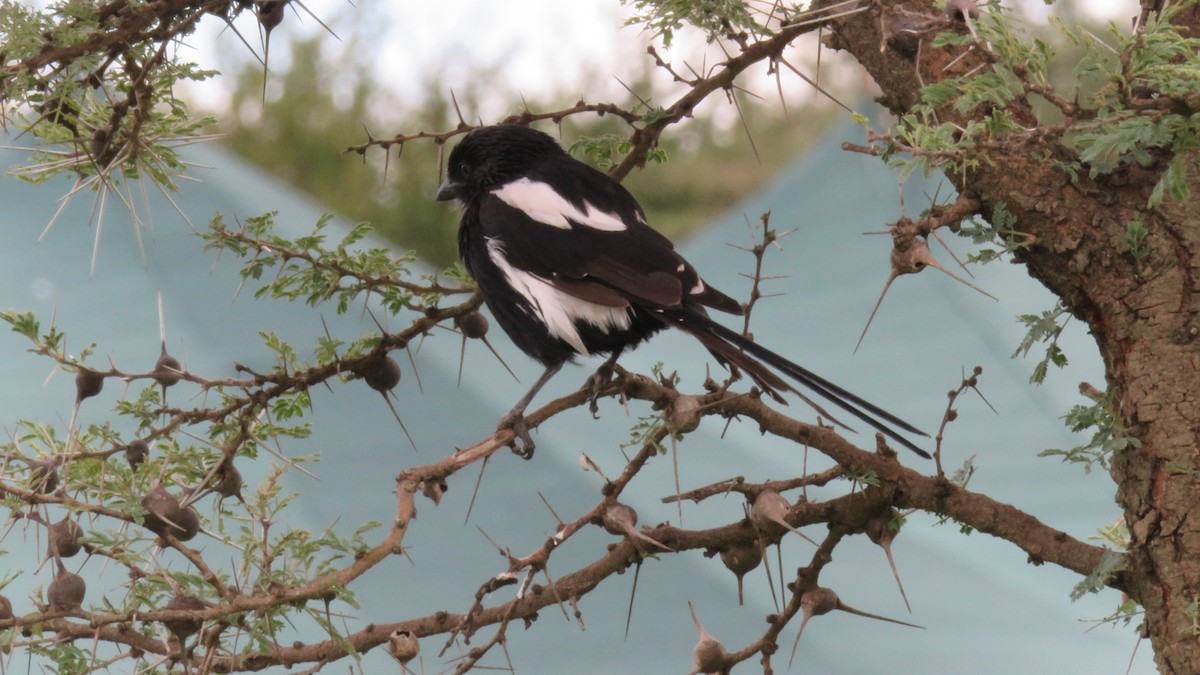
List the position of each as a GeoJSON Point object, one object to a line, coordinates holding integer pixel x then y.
{"type": "Point", "coordinates": [558, 310]}
{"type": "Point", "coordinates": [540, 202]}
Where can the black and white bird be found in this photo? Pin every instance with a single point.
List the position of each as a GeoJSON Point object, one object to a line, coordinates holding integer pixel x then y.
{"type": "Point", "coordinates": [569, 267]}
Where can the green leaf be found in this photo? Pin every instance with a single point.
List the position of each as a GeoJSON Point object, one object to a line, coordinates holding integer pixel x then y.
{"type": "Point", "coordinates": [1108, 438]}
{"type": "Point", "coordinates": [1173, 182]}
{"type": "Point", "coordinates": [23, 323]}
{"type": "Point", "coordinates": [1046, 327]}
{"type": "Point", "coordinates": [1111, 563]}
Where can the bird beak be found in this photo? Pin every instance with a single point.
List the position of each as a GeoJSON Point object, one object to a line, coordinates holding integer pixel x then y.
{"type": "Point", "coordinates": [449, 190]}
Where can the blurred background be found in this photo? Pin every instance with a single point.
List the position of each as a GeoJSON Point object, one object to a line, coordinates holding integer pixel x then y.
{"type": "Point", "coordinates": [338, 73]}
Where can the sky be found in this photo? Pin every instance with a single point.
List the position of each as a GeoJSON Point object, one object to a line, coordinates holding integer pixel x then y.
{"type": "Point", "coordinates": [530, 46]}
{"type": "Point", "coordinates": [549, 49]}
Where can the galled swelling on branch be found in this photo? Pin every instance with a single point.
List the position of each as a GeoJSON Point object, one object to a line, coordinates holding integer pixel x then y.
{"type": "Point", "coordinates": [567, 264]}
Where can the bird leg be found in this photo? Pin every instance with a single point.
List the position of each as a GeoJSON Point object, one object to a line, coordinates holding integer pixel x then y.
{"type": "Point", "coordinates": [596, 381]}
{"type": "Point", "coordinates": [515, 419]}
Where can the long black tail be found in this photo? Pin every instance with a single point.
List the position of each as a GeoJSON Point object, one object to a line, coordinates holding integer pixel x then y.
{"type": "Point", "coordinates": [734, 348]}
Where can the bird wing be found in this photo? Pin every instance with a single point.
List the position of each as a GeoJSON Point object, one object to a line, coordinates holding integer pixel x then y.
{"type": "Point", "coordinates": [579, 230]}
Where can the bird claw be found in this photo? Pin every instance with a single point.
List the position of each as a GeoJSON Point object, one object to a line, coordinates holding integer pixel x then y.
{"type": "Point", "coordinates": [595, 386]}
{"type": "Point", "coordinates": [522, 445]}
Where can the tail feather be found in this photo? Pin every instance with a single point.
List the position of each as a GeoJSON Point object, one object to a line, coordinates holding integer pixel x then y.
{"type": "Point", "coordinates": [768, 381]}
{"type": "Point", "coordinates": [738, 350]}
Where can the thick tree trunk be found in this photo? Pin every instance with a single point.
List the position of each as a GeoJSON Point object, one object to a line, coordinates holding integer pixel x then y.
{"type": "Point", "coordinates": [1143, 310]}
{"type": "Point", "coordinates": [1148, 330]}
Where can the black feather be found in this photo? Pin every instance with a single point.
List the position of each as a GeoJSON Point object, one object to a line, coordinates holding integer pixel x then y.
{"type": "Point", "coordinates": [565, 260]}
{"type": "Point", "coordinates": [730, 342]}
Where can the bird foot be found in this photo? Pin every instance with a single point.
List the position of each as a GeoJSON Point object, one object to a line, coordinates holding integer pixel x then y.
{"type": "Point", "coordinates": [522, 445]}
{"type": "Point", "coordinates": [595, 384]}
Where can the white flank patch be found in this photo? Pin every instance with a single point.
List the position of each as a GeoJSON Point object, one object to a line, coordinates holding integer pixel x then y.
{"type": "Point", "coordinates": [540, 202]}
{"type": "Point", "coordinates": [698, 288]}
{"type": "Point", "coordinates": [558, 310]}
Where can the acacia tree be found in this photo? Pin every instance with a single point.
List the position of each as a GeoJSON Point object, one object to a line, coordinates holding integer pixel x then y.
{"type": "Point", "coordinates": [1089, 184]}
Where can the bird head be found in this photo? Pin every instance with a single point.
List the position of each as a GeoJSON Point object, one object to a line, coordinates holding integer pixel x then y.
{"type": "Point", "coordinates": [492, 156]}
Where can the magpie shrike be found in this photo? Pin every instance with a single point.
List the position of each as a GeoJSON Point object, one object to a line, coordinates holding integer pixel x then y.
{"type": "Point", "coordinates": [566, 262]}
